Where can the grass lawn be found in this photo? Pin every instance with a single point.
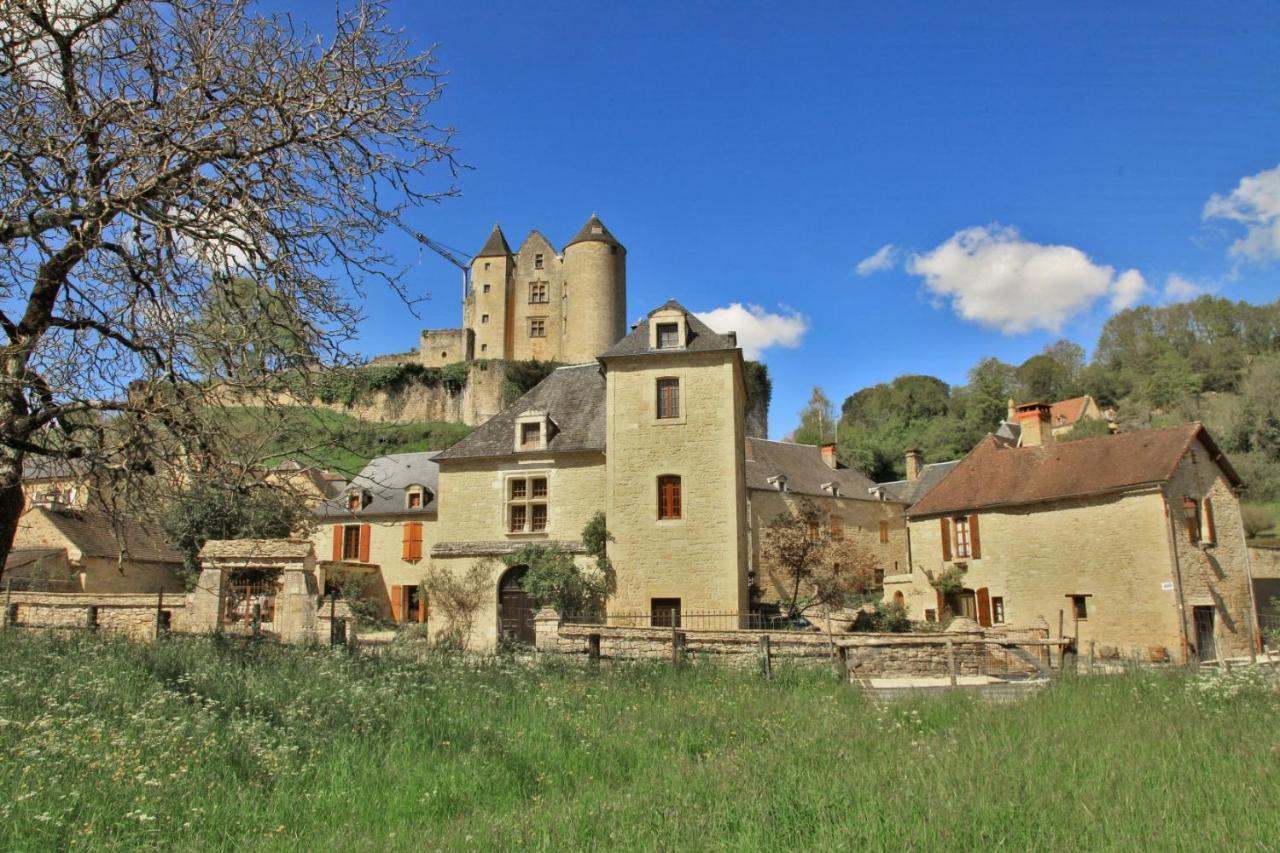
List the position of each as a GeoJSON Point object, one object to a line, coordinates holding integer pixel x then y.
{"type": "Point", "coordinates": [190, 743]}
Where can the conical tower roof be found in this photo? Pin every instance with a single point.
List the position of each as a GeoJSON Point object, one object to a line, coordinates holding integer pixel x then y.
{"type": "Point", "coordinates": [594, 231]}
{"type": "Point", "coordinates": [496, 246]}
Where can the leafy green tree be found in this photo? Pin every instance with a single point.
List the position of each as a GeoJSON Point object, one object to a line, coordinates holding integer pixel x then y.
{"type": "Point", "coordinates": [1169, 379]}
{"type": "Point", "coordinates": [210, 509]}
{"type": "Point", "coordinates": [817, 420]}
{"type": "Point", "coordinates": [555, 579]}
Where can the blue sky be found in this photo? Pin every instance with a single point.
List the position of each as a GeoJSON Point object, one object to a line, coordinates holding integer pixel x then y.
{"type": "Point", "coordinates": [755, 154]}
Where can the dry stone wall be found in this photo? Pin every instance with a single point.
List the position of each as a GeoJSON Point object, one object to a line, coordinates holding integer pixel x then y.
{"type": "Point", "coordinates": [131, 614]}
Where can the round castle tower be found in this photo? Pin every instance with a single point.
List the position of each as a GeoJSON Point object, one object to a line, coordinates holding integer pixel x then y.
{"type": "Point", "coordinates": [595, 293]}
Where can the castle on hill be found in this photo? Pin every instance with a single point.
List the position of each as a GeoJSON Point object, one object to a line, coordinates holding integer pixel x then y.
{"type": "Point", "coordinates": [539, 303]}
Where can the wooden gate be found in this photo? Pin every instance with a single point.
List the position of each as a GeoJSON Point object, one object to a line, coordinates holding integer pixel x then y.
{"type": "Point", "coordinates": [515, 608]}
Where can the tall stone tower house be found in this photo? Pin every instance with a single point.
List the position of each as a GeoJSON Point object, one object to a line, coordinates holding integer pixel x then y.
{"type": "Point", "coordinates": [567, 306]}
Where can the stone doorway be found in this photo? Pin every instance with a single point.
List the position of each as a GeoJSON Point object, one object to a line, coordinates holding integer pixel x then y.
{"type": "Point", "coordinates": [515, 608]}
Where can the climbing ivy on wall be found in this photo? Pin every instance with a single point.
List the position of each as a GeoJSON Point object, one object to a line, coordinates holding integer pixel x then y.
{"type": "Point", "coordinates": [348, 385]}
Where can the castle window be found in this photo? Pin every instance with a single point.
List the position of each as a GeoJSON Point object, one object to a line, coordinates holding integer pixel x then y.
{"type": "Point", "coordinates": [669, 397]}
{"type": "Point", "coordinates": [1079, 606]}
{"type": "Point", "coordinates": [484, 348]}
{"type": "Point", "coordinates": [668, 335]}
{"type": "Point", "coordinates": [669, 498]}
{"type": "Point", "coordinates": [527, 510]}
{"type": "Point", "coordinates": [484, 318]}
{"type": "Point", "coordinates": [537, 327]}
{"type": "Point", "coordinates": [537, 261]}
{"type": "Point", "coordinates": [538, 292]}
{"type": "Point", "coordinates": [486, 287]}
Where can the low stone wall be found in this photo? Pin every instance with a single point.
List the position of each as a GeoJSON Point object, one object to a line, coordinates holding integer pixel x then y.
{"type": "Point", "coordinates": [867, 655]}
{"type": "Point", "coordinates": [133, 614]}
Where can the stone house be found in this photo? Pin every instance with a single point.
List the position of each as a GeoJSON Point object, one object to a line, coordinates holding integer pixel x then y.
{"type": "Point", "coordinates": [56, 483]}
{"type": "Point", "coordinates": [384, 523]}
{"type": "Point", "coordinates": [779, 474]}
{"type": "Point", "coordinates": [652, 434]}
{"type": "Point", "coordinates": [64, 549]}
{"type": "Point", "coordinates": [1131, 541]}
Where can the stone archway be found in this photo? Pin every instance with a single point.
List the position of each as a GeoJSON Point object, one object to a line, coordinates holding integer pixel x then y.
{"type": "Point", "coordinates": [515, 608]}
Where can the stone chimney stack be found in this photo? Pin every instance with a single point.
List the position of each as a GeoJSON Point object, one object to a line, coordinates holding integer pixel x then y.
{"type": "Point", "coordinates": [829, 455]}
{"type": "Point", "coordinates": [1013, 411]}
{"type": "Point", "coordinates": [1033, 418]}
{"type": "Point", "coordinates": [915, 464]}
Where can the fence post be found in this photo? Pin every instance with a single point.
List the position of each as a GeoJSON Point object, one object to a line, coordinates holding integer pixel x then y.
{"type": "Point", "coordinates": [10, 615]}
{"type": "Point", "coordinates": [333, 623]}
{"type": "Point", "coordinates": [677, 644]}
{"type": "Point", "coordinates": [841, 662]}
{"type": "Point", "coordinates": [766, 657]}
{"type": "Point", "coordinates": [951, 661]}
{"type": "Point", "coordinates": [257, 620]}
{"type": "Point", "coordinates": [593, 648]}
{"type": "Point", "coordinates": [91, 617]}
{"type": "Point", "coordinates": [1091, 642]}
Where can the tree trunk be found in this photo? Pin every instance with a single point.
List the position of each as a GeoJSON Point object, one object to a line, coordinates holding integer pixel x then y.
{"type": "Point", "coordinates": [11, 499]}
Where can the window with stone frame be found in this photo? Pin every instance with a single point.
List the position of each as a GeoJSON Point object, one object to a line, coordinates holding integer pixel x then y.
{"type": "Point", "coordinates": [537, 327]}
{"type": "Point", "coordinates": [669, 498]}
{"type": "Point", "coordinates": [527, 504]}
{"type": "Point", "coordinates": [537, 261]}
{"type": "Point", "coordinates": [538, 292]}
{"type": "Point", "coordinates": [668, 397]}
{"type": "Point", "coordinates": [997, 610]}
{"type": "Point", "coordinates": [351, 542]}
{"type": "Point", "coordinates": [530, 436]}
{"type": "Point", "coordinates": [668, 335]}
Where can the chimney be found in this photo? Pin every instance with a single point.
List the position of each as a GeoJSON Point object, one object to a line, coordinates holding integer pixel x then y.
{"type": "Point", "coordinates": [828, 452]}
{"type": "Point", "coordinates": [1013, 410]}
{"type": "Point", "coordinates": [915, 464]}
{"type": "Point", "coordinates": [1033, 418]}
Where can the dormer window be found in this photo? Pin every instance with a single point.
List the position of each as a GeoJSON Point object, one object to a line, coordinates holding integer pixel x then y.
{"type": "Point", "coordinates": [779, 482]}
{"type": "Point", "coordinates": [416, 497]}
{"type": "Point", "coordinates": [537, 262]}
{"type": "Point", "coordinates": [358, 499]}
{"type": "Point", "coordinates": [533, 431]}
{"type": "Point", "coordinates": [668, 335]}
{"type": "Point", "coordinates": [831, 489]}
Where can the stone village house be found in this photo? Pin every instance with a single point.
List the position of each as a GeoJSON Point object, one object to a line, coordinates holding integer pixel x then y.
{"type": "Point", "coordinates": [1135, 539]}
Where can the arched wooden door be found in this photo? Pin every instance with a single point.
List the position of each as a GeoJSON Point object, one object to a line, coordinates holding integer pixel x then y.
{"type": "Point", "coordinates": [515, 607]}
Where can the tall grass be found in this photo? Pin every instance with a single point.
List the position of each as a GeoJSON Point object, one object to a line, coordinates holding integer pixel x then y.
{"type": "Point", "coordinates": [194, 743]}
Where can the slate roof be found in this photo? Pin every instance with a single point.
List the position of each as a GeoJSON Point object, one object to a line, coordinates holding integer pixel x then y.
{"type": "Point", "coordinates": [98, 535]}
{"type": "Point", "coordinates": [593, 231]}
{"type": "Point", "coordinates": [804, 469]}
{"type": "Point", "coordinates": [701, 337]}
{"type": "Point", "coordinates": [995, 475]}
{"type": "Point", "coordinates": [21, 558]}
{"type": "Point", "coordinates": [386, 479]}
{"type": "Point", "coordinates": [495, 246]}
{"type": "Point", "coordinates": [910, 491]}
{"type": "Point", "coordinates": [51, 468]}
{"type": "Point", "coordinates": [573, 397]}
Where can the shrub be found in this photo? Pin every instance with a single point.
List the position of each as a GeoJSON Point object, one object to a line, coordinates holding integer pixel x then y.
{"type": "Point", "coordinates": [887, 617]}
{"type": "Point", "coordinates": [1257, 519]}
{"type": "Point", "coordinates": [458, 597]}
{"type": "Point", "coordinates": [555, 578]}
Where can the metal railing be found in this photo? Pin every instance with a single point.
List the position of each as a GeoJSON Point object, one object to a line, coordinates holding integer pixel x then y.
{"type": "Point", "coordinates": [241, 599]}
{"type": "Point", "coordinates": [694, 620]}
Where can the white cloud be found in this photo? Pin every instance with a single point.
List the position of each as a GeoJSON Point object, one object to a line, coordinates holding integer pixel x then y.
{"type": "Point", "coordinates": [1180, 289]}
{"type": "Point", "coordinates": [994, 277]}
{"type": "Point", "coordinates": [884, 258]}
{"type": "Point", "coordinates": [757, 328]}
{"type": "Point", "coordinates": [1254, 203]}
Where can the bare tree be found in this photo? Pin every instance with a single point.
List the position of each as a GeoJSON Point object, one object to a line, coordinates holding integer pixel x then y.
{"type": "Point", "coordinates": [456, 598]}
{"type": "Point", "coordinates": [806, 566]}
{"type": "Point", "coordinates": [150, 148]}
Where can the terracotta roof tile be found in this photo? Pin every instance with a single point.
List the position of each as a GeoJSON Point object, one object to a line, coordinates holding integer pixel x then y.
{"type": "Point", "coordinates": [997, 475]}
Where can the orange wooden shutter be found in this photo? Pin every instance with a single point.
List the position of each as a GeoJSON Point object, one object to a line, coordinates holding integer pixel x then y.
{"type": "Point", "coordinates": [975, 544]}
{"type": "Point", "coordinates": [406, 541]}
{"type": "Point", "coordinates": [984, 607]}
{"type": "Point", "coordinates": [946, 539]}
{"type": "Point", "coordinates": [364, 543]}
{"type": "Point", "coordinates": [415, 540]}
{"type": "Point", "coordinates": [942, 602]}
{"type": "Point", "coordinates": [422, 607]}
{"type": "Point", "coordinates": [337, 542]}
{"type": "Point", "coordinates": [397, 604]}
{"type": "Point", "coordinates": [884, 532]}
{"type": "Point", "coordinates": [1208, 522]}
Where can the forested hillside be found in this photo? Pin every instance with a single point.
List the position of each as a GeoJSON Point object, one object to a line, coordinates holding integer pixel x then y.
{"type": "Point", "coordinates": [1211, 360]}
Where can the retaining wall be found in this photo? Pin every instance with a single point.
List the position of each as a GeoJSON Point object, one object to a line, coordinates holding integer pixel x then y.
{"type": "Point", "coordinates": [133, 614]}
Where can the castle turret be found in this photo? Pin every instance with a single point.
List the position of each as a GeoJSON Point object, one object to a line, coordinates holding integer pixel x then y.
{"type": "Point", "coordinates": [486, 308]}
{"type": "Point", "coordinates": [593, 310]}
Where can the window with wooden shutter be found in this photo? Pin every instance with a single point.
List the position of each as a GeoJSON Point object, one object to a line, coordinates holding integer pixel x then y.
{"type": "Point", "coordinates": [975, 544]}
{"type": "Point", "coordinates": [984, 607]}
{"type": "Point", "coordinates": [960, 528]}
{"type": "Point", "coordinates": [412, 548]}
{"type": "Point", "coordinates": [1191, 515]}
{"type": "Point", "coordinates": [1207, 532]}
{"type": "Point", "coordinates": [337, 542]}
{"type": "Point", "coordinates": [351, 542]}
{"type": "Point", "coordinates": [397, 604]}
{"type": "Point", "coordinates": [946, 539]}
{"type": "Point", "coordinates": [669, 497]}
{"type": "Point", "coordinates": [884, 532]}
{"type": "Point", "coordinates": [365, 537]}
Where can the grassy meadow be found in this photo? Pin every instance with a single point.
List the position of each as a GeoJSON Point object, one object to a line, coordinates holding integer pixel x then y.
{"type": "Point", "coordinates": [194, 743]}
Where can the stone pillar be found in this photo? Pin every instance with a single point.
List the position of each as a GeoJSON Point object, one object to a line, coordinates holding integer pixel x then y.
{"type": "Point", "coordinates": [296, 603]}
{"type": "Point", "coordinates": [546, 628]}
{"type": "Point", "coordinates": [205, 612]}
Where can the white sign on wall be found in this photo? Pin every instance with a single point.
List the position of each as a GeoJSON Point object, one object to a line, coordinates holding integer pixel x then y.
{"type": "Point", "coordinates": [1167, 586]}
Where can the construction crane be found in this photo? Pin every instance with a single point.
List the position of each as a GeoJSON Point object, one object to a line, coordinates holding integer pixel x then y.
{"type": "Point", "coordinates": [453, 256]}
